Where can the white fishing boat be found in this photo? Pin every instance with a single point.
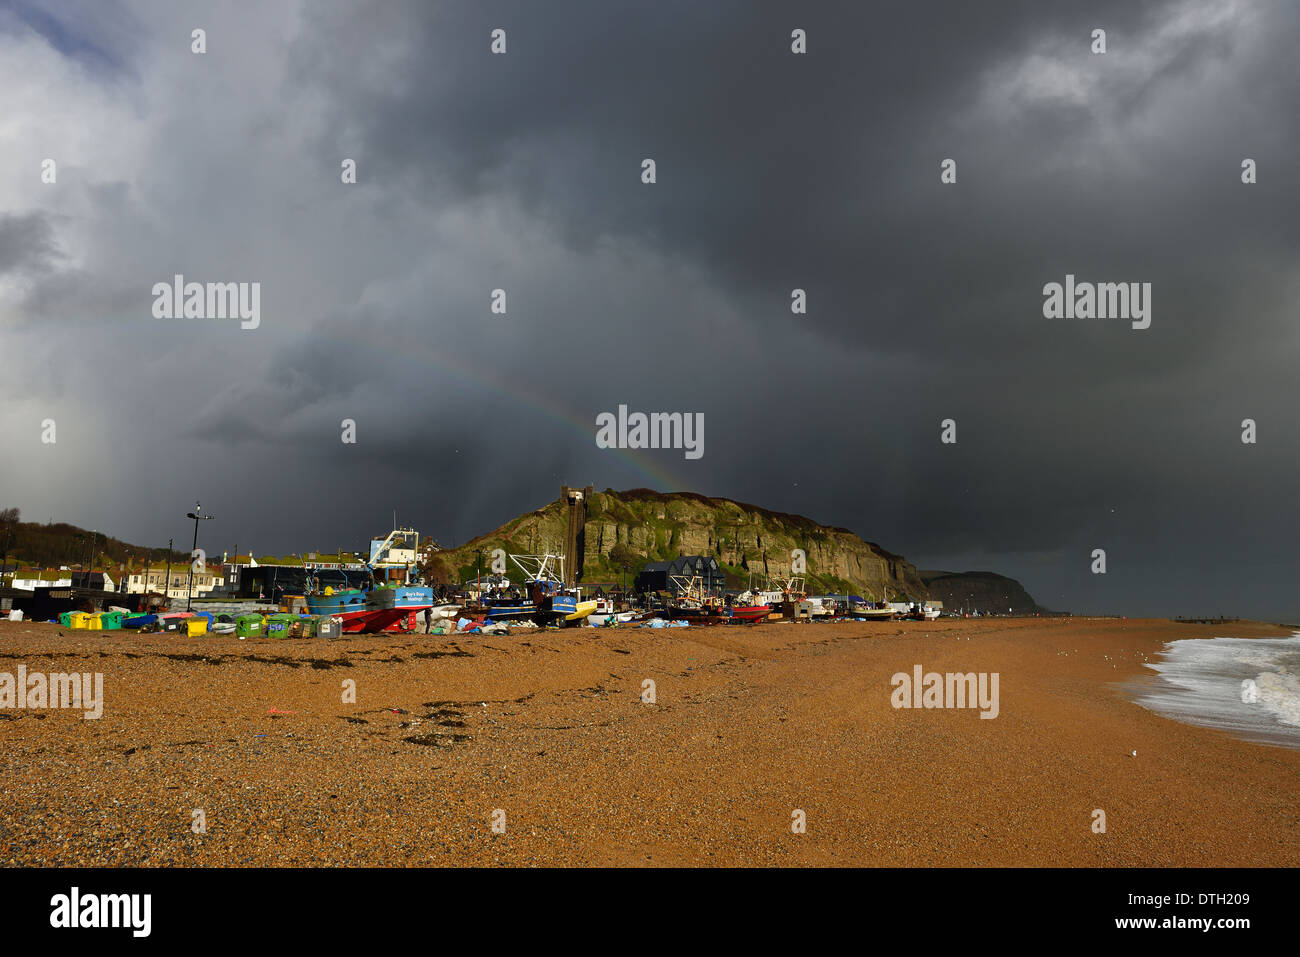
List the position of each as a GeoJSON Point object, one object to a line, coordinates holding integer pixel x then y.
{"type": "Point", "coordinates": [443, 610]}
{"type": "Point", "coordinates": [822, 606]}
{"type": "Point", "coordinates": [611, 618]}
{"type": "Point", "coordinates": [866, 612]}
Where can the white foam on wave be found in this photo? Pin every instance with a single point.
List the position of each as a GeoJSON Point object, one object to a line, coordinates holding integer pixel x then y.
{"type": "Point", "coordinates": [1249, 686]}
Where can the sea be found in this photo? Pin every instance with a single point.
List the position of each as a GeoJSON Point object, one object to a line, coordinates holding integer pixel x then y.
{"type": "Point", "coordinates": [1247, 686]}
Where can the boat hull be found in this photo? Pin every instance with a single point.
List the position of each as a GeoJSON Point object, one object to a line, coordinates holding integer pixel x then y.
{"type": "Point", "coordinates": [599, 620]}
{"type": "Point", "coordinates": [510, 611]}
{"type": "Point", "coordinates": [383, 609]}
{"type": "Point", "coordinates": [873, 614]}
{"type": "Point", "coordinates": [735, 615]}
{"type": "Point", "coordinates": [582, 610]}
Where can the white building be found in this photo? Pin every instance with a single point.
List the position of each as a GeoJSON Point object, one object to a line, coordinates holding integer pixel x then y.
{"type": "Point", "coordinates": [30, 579]}
{"type": "Point", "coordinates": [176, 585]}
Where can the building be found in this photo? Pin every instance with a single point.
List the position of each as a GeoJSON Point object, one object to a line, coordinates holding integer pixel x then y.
{"type": "Point", "coordinates": [94, 580]}
{"type": "Point", "coordinates": [156, 580]}
{"type": "Point", "coordinates": [658, 576]}
{"type": "Point", "coordinates": [30, 579]}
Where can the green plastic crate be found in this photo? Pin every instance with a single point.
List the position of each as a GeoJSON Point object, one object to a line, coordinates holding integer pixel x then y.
{"type": "Point", "coordinates": [279, 625]}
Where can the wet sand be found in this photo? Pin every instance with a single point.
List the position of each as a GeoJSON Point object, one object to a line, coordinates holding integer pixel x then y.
{"type": "Point", "coordinates": [749, 725]}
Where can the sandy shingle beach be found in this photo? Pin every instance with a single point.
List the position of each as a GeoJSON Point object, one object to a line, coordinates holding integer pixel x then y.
{"type": "Point", "coordinates": [749, 725]}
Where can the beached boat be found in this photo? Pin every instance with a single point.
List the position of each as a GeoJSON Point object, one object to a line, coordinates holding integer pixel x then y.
{"type": "Point", "coordinates": [506, 609]}
{"type": "Point", "coordinates": [920, 612]}
{"type": "Point", "coordinates": [695, 606]}
{"type": "Point", "coordinates": [553, 603]}
{"type": "Point", "coordinates": [868, 611]}
{"type": "Point", "coordinates": [720, 614]}
{"type": "Point", "coordinates": [581, 609]}
{"type": "Point", "coordinates": [393, 604]}
{"type": "Point", "coordinates": [444, 609]}
{"type": "Point", "coordinates": [787, 598]}
{"type": "Point", "coordinates": [347, 604]}
{"type": "Point", "coordinates": [543, 601]}
{"type": "Point", "coordinates": [606, 613]}
{"type": "Point", "coordinates": [821, 607]}
{"type": "Point", "coordinates": [601, 619]}
{"type": "Point", "coordinates": [396, 607]}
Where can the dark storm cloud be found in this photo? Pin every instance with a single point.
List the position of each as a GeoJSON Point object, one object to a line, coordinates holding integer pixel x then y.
{"type": "Point", "coordinates": [27, 244]}
{"type": "Point", "coordinates": [775, 171]}
{"type": "Point", "coordinates": [822, 168]}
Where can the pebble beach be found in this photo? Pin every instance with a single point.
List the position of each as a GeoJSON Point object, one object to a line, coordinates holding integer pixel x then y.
{"type": "Point", "coordinates": [540, 748]}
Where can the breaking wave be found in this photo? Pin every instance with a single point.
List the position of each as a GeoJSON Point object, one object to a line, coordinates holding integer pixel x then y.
{"type": "Point", "coordinates": [1249, 686]}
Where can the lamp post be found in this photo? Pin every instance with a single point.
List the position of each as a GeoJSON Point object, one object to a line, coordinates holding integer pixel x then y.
{"type": "Point", "coordinates": [197, 516]}
{"type": "Point", "coordinates": [167, 582]}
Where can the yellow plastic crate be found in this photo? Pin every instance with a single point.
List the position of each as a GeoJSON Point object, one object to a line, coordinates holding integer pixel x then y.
{"type": "Point", "coordinates": [196, 626]}
{"type": "Point", "coordinates": [93, 623]}
{"type": "Point", "coordinates": [80, 619]}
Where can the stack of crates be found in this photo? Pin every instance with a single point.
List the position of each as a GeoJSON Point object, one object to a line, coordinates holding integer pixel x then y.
{"type": "Point", "coordinates": [305, 626]}
{"type": "Point", "coordinates": [329, 628]}
{"type": "Point", "coordinates": [250, 626]}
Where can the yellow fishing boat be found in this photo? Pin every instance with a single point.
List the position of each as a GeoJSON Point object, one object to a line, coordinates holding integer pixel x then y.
{"type": "Point", "coordinates": [582, 610]}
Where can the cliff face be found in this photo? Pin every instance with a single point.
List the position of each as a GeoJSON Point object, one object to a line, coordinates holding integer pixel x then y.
{"type": "Point", "coordinates": [639, 526]}
{"type": "Point", "coordinates": [984, 592]}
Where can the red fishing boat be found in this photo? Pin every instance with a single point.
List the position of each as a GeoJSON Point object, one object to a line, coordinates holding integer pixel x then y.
{"type": "Point", "coordinates": [695, 606]}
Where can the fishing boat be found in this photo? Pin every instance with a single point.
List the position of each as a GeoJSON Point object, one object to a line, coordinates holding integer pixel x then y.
{"type": "Point", "coordinates": [393, 603]}
{"type": "Point", "coordinates": [506, 609]}
{"type": "Point", "coordinates": [821, 606]}
{"type": "Point", "coordinates": [602, 619]}
{"type": "Point", "coordinates": [554, 602]}
{"type": "Point", "coordinates": [606, 613]}
{"type": "Point", "coordinates": [443, 610]}
{"type": "Point", "coordinates": [346, 604]}
{"type": "Point", "coordinates": [786, 598]}
{"type": "Point", "coordinates": [697, 607]}
{"type": "Point", "coordinates": [544, 599]}
{"type": "Point", "coordinates": [869, 611]}
{"type": "Point", "coordinates": [582, 609]}
{"type": "Point", "coordinates": [922, 612]}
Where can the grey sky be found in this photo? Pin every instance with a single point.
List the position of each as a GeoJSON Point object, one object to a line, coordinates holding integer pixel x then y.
{"type": "Point", "coordinates": [775, 171]}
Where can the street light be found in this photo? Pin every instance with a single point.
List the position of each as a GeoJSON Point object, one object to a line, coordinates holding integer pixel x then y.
{"type": "Point", "coordinates": [197, 516]}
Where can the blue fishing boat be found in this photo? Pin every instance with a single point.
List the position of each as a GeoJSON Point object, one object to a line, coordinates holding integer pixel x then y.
{"type": "Point", "coordinates": [346, 603]}
{"type": "Point", "coordinates": [393, 601]}
{"type": "Point", "coordinates": [541, 586]}
{"type": "Point", "coordinates": [508, 609]}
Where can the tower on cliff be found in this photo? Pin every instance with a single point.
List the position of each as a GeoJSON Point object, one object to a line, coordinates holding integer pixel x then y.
{"type": "Point", "coordinates": [575, 536]}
